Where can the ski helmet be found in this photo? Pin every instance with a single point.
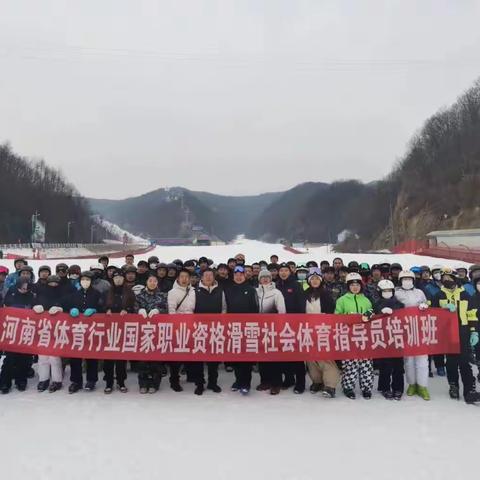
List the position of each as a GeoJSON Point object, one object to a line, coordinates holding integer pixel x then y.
{"type": "Point", "coordinates": [385, 285]}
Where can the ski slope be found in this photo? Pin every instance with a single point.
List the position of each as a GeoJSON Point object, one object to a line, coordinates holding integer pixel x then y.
{"type": "Point", "coordinates": [254, 251]}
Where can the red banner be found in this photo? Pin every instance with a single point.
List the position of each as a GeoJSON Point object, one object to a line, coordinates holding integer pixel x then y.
{"type": "Point", "coordinates": [230, 337]}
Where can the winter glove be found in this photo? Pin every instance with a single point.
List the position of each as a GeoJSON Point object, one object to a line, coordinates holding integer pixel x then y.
{"type": "Point", "coordinates": [473, 339]}
{"type": "Point", "coordinates": [89, 312]}
{"type": "Point", "coordinates": [38, 309]}
{"type": "Point", "coordinates": [137, 289]}
{"type": "Point", "coordinates": [74, 312]}
{"type": "Point", "coordinates": [450, 307]}
{"type": "Point", "coordinates": [387, 311]}
{"type": "Point", "coordinates": [423, 306]}
{"type": "Point", "coordinates": [55, 310]}
{"type": "Point", "coordinates": [143, 313]}
{"type": "Point", "coordinates": [153, 312]}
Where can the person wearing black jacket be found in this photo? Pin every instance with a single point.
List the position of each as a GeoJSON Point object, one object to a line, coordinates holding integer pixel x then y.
{"type": "Point", "coordinates": [209, 298]}
{"type": "Point", "coordinates": [390, 380]}
{"type": "Point", "coordinates": [65, 285]}
{"type": "Point", "coordinates": [241, 298]}
{"type": "Point", "coordinates": [120, 300]}
{"type": "Point", "coordinates": [295, 302]}
{"type": "Point", "coordinates": [17, 365]}
{"type": "Point", "coordinates": [86, 301]}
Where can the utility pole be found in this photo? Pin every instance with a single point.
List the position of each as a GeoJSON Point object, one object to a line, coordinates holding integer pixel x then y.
{"type": "Point", "coordinates": [69, 224]}
{"type": "Point", "coordinates": [34, 225]}
{"type": "Point", "coordinates": [392, 226]}
{"type": "Point", "coordinates": [92, 229]}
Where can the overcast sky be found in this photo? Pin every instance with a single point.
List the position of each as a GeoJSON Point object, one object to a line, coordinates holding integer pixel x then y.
{"type": "Point", "coordinates": [232, 97]}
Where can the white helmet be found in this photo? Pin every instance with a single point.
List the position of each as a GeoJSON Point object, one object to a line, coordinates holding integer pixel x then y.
{"type": "Point", "coordinates": [97, 266]}
{"type": "Point", "coordinates": [406, 274]}
{"type": "Point", "coordinates": [386, 285]}
{"type": "Point", "coordinates": [353, 277]}
{"type": "Point", "coordinates": [436, 267]}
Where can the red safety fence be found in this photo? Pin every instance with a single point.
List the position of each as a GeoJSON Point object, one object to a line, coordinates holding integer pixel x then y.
{"type": "Point", "coordinates": [457, 252]}
{"type": "Point", "coordinates": [230, 337]}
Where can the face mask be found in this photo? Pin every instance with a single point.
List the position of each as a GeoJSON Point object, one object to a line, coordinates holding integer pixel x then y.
{"type": "Point", "coordinates": [407, 284]}
{"type": "Point", "coordinates": [387, 294]}
{"type": "Point", "coordinates": [74, 276]}
{"type": "Point", "coordinates": [450, 284]}
{"type": "Point", "coordinates": [85, 284]}
{"type": "Point", "coordinates": [302, 276]}
{"type": "Point", "coordinates": [153, 266]}
{"type": "Point", "coordinates": [437, 276]}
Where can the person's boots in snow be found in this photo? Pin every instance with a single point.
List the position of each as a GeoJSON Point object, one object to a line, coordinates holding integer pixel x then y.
{"type": "Point", "coordinates": [262, 387]}
{"type": "Point", "coordinates": [412, 390]}
{"type": "Point", "coordinates": [121, 386]}
{"type": "Point", "coordinates": [176, 387]}
{"type": "Point", "coordinates": [387, 394]}
{"type": "Point", "coordinates": [275, 390]}
{"type": "Point", "coordinates": [367, 394]}
{"type": "Point", "coordinates": [214, 388]}
{"type": "Point", "coordinates": [54, 387]}
{"type": "Point", "coordinates": [199, 389]}
{"type": "Point", "coordinates": [349, 393]}
{"type": "Point", "coordinates": [441, 371]}
{"type": "Point", "coordinates": [454, 392]}
{"type": "Point", "coordinates": [328, 392]}
{"type": "Point", "coordinates": [21, 386]}
{"type": "Point", "coordinates": [42, 386]}
{"type": "Point", "coordinates": [90, 386]}
{"type": "Point", "coordinates": [74, 387]}
{"type": "Point", "coordinates": [423, 393]}
{"type": "Point", "coordinates": [397, 395]}
{"type": "Point", "coordinates": [316, 387]}
{"type": "Point", "coordinates": [472, 398]}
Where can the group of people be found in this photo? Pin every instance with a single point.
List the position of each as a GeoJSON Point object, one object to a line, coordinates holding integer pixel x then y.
{"type": "Point", "coordinates": [152, 288]}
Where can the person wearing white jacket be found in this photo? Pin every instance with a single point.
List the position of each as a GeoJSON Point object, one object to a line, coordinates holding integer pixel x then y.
{"type": "Point", "coordinates": [416, 368]}
{"type": "Point", "coordinates": [270, 300]}
{"type": "Point", "coordinates": [181, 300]}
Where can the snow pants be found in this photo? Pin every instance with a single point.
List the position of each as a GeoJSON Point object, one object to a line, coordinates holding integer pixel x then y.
{"type": "Point", "coordinates": [149, 374]}
{"type": "Point", "coordinates": [197, 371]}
{"type": "Point", "coordinates": [15, 367]}
{"type": "Point", "coordinates": [357, 369]}
{"type": "Point", "coordinates": [76, 374]}
{"type": "Point", "coordinates": [416, 369]}
{"type": "Point", "coordinates": [324, 372]}
{"type": "Point", "coordinates": [50, 368]}
{"type": "Point", "coordinates": [243, 374]}
{"type": "Point", "coordinates": [391, 375]}
{"type": "Point", "coordinates": [270, 373]}
{"type": "Point", "coordinates": [115, 370]}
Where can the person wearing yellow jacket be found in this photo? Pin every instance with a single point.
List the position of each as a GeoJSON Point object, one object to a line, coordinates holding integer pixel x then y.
{"type": "Point", "coordinates": [454, 298]}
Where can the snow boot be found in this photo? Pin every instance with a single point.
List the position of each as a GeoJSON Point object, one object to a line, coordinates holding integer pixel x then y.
{"type": "Point", "coordinates": [454, 392]}
{"type": "Point", "coordinates": [176, 387]}
{"type": "Point", "coordinates": [397, 396]}
{"type": "Point", "coordinates": [441, 371]}
{"type": "Point", "coordinates": [143, 390]}
{"type": "Point", "coordinates": [234, 387]}
{"type": "Point", "coordinates": [423, 393]}
{"type": "Point", "coordinates": [74, 387]}
{"type": "Point", "coordinates": [298, 389]}
{"type": "Point", "coordinates": [42, 386]}
{"type": "Point", "coordinates": [214, 388]}
{"type": "Point", "coordinates": [349, 393]}
{"type": "Point", "coordinates": [122, 387]}
{"type": "Point", "coordinates": [412, 390]}
{"type": "Point", "coordinates": [316, 387]}
{"type": "Point", "coordinates": [328, 392]}
{"type": "Point", "coordinates": [108, 390]}
{"type": "Point", "coordinates": [90, 386]}
{"type": "Point", "coordinates": [199, 390]}
{"type": "Point", "coordinates": [152, 390]}
{"type": "Point", "coordinates": [244, 391]}
{"type": "Point", "coordinates": [388, 395]}
{"type": "Point", "coordinates": [275, 390]}
{"type": "Point", "coordinates": [5, 389]}
{"type": "Point", "coordinates": [54, 387]}
{"type": "Point", "coordinates": [472, 398]}
{"type": "Point", "coordinates": [262, 387]}
{"type": "Point", "coordinates": [21, 386]}
{"type": "Point", "coordinates": [367, 394]}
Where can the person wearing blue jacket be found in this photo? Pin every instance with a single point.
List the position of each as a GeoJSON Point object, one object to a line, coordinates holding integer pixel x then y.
{"type": "Point", "coordinates": [86, 301]}
{"type": "Point", "coordinates": [16, 366]}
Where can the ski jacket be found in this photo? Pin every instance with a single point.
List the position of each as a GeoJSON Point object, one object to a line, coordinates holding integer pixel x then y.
{"type": "Point", "coordinates": [181, 299]}
{"type": "Point", "coordinates": [270, 299]}
{"type": "Point", "coordinates": [353, 303]}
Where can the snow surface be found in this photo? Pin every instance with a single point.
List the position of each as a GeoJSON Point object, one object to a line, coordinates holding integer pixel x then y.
{"type": "Point", "coordinates": [181, 436]}
{"type": "Point", "coordinates": [226, 436]}
{"type": "Point", "coordinates": [254, 251]}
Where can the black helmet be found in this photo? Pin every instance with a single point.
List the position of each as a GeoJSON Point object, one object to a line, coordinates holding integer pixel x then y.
{"type": "Point", "coordinates": [44, 268]}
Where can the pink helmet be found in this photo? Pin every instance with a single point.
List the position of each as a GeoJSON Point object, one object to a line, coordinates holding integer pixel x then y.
{"type": "Point", "coordinates": [4, 270]}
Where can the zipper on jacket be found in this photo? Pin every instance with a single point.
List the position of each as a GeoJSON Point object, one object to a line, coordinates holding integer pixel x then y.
{"type": "Point", "coordinates": [356, 303]}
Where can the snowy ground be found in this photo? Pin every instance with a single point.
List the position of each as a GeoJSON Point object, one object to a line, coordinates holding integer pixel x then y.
{"type": "Point", "coordinates": [255, 251]}
{"type": "Point", "coordinates": [227, 436]}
